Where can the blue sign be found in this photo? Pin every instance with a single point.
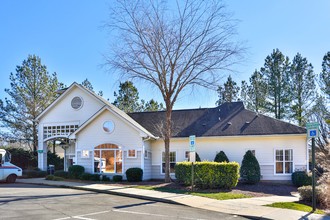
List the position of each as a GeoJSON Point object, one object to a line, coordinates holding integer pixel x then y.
{"type": "Point", "coordinates": [192, 143]}
{"type": "Point", "coordinates": [313, 133]}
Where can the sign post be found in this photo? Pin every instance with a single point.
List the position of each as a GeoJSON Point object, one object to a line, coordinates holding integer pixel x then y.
{"type": "Point", "coordinates": [313, 132]}
{"type": "Point", "coordinates": [192, 157]}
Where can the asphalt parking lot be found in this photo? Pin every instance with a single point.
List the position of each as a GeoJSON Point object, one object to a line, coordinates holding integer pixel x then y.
{"type": "Point", "coordinates": [25, 201]}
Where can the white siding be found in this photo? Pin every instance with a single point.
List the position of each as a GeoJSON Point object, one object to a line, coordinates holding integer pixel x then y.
{"type": "Point", "coordinates": [235, 148]}
{"type": "Point", "coordinates": [123, 135]}
{"type": "Point", "coordinates": [63, 112]}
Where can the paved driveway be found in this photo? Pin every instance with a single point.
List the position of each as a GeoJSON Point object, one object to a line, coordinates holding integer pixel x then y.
{"type": "Point", "coordinates": [25, 201]}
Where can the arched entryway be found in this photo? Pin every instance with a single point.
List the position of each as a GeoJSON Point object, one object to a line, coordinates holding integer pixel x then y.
{"type": "Point", "coordinates": [108, 158]}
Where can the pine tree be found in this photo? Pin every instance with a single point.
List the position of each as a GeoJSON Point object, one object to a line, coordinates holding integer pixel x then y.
{"type": "Point", "coordinates": [254, 94]}
{"type": "Point", "coordinates": [127, 98]}
{"type": "Point", "coordinates": [302, 86]}
{"type": "Point", "coordinates": [325, 75]}
{"type": "Point", "coordinates": [228, 92]}
{"type": "Point", "coordinates": [152, 106]}
{"type": "Point", "coordinates": [32, 90]}
{"type": "Point", "coordinates": [276, 74]}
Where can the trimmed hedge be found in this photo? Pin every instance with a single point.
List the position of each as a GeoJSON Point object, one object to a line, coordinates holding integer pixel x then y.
{"type": "Point", "coordinates": [208, 174]}
{"type": "Point", "coordinates": [134, 174]}
{"type": "Point", "coordinates": [34, 173]}
{"type": "Point", "coordinates": [221, 157]}
{"type": "Point", "coordinates": [301, 178]}
{"type": "Point", "coordinates": [75, 171]}
{"type": "Point", "coordinates": [250, 169]}
{"type": "Point", "coordinates": [62, 173]}
{"type": "Point", "coordinates": [117, 178]}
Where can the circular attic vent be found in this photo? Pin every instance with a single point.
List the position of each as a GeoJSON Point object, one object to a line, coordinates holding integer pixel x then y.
{"type": "Point", "coordinates": [108, 126]}
{"type": "Point", "coordinates": [76, 103]}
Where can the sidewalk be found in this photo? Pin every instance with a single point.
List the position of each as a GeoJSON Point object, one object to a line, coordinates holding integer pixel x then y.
{"type": "Point", "coordinates": [250, 207]}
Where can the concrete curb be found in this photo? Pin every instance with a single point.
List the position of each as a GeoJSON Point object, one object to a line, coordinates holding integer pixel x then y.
{"type": "Point", "coordinates": [110, 192]}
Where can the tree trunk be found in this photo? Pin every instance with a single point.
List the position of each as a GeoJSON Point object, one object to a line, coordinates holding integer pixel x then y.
{"type": "Point", "coordinates": [35, 137]}
{"type": "Point", "coordinates": [168, 133]}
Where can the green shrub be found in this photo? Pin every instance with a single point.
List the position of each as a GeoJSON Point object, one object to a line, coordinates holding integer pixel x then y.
{"type": "Point", "coordinates": [208, 174]}
{"type": "Point", "coordinates": [86, 176]}
{"type": "Point", "coordinates": [75, 171]}
{"type": "Point", "coordinates": [105, 178]}
{"type": "Point", "coordinates": [61, 173]}
{"type": "Point", "coordinates": [22, 158]}
{"type": "Point", "coordinates": [49, 177]}
{"type": "Point", "coordinates": [117, 178]}
{"type": "Point", "coordinates": [250, 169]}
{"type": "Point", "coordinates": [221, 157]}
{"type": "Point", "coordinates": [306, 193]}
{"type": "Point", "coordinates": [95, 177]}
{"type": "Point", "coordinates": [57, 178]}
{"type": "Point", "coordinates": [301, 178]}
{"type": "Point", "coordinates": [34, 173]}
{"type": "Point", "coordinates": [134, 174]}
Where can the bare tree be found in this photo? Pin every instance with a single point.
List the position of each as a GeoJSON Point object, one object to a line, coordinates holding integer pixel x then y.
{"type": "Point", "coordinates": [173, 46]}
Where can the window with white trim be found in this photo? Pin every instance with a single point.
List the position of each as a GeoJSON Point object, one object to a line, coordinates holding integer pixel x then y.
{"type": "Point", "coordinates": [187, 155]}
{"type": "Point", "coordinates": [131, 154]}
{"type": "Point", "coordinates": [146, 154]}
{"type": "Point", "coordinates": [172, 161]}
{"type": "Point", "coordinates": [284, 161]}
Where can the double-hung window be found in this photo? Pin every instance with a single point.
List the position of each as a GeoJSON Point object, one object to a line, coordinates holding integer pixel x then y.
{"type": "Point", "coordinates": [284, 161]}
{"type": "Point", "coordinates": [172, 161]}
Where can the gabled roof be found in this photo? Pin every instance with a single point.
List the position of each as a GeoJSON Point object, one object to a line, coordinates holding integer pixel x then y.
{"type": "Point", "coordinates": [107, 105]}
{"type": "Point", "coordinates": [229, 119]}
{"type": "Point", "coordinates": [115, 111]}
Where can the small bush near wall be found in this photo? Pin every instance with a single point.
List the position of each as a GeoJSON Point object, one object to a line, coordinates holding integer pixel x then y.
{"type": "Point", "coordinates": [250, 169]}
{"type": "Point", "coordinates": [301, 178]}
{"type": "Point", "coordinates": [198, 159]}
{"type": "Point", "coordinates": [305, 193]}
{"type": "Point", "coordinates": [117, 178]}
{"type": "Point", "coordinates": [134, 174]}
{"type": "Point", "coordinates": [34, 173]}
{"type": "Point", "coordinates": [208, 174]}
{"type": "Point", "coordinates": [76, 171]}
{"type": "Point", "coordinates": [221, 157]}
{"type": "Point", "coordinates": [61, 173]}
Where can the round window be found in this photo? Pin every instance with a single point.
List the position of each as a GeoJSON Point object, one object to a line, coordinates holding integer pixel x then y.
{"type": "Point", "coordinates": [108, 126]}
{"type": "Point", "coordinates": [76, 103]}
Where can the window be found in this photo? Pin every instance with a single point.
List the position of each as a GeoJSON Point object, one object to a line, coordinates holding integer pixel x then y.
{"type": "Point", "coordinates": [131, 154]}
{"type": "Point", "coordinates": [108, 126]}
{"type": "Point", "coordinates": [187, 155]}
{"type": "Point", "coordinates": [50, 131]}
{"type": "Point", "coordinates": [85, 154]}
{"type": "Point", "coordinates": [76, 103]}
{"type": "Point", "coordinates": [172, 161]}
{"type": "Point", "coordinates": [284, 161]}
{"type": "Point", "coordinates": [107, 159]}
{"type": "Point", "coordinates": [146, 154]}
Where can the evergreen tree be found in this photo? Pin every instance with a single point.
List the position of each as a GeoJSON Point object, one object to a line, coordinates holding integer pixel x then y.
{"type": "Point", "coordinates": [152, 106]}
{"type": "Point", "coordinates": [221, 157]}
{"type": "Point", "coordinates": [254, 95]}
{"type": "Point", "coordinates": [302, 88]}
{"type": "Point", "coordinates": [276, 74]}
{"type": "Point", "coordinates": [228, 92]}
{"type": "Point", "coordinates": [32, 90]}
{"type": "Point", "coordinates": [87, 84]}
{"type": "Point", "coordinates": [325, 75]}
{"type": "Point", "coordinates": [250, 169]}
{"type": "Point", "coordinates": [127, 98]}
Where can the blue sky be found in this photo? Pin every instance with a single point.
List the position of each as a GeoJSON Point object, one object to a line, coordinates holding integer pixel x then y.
{"type": "Point", "coordinates": [69, 38]}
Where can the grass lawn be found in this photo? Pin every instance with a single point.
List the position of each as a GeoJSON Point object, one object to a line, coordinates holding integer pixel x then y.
{"type": "Point", "coordinates": [211, 195]}
{"type": "Point", "coordinates": [295, 206]}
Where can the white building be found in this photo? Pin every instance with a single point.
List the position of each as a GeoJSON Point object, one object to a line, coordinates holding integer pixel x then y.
{"type": "Point", "coordinates": [102, 138]}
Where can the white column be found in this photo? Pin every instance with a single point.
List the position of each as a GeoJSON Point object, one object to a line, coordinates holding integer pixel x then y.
{"type": "Point", "coordinates": [42, 155]}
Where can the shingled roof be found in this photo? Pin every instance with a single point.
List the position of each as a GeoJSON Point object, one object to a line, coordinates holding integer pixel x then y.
{"type": "Point", "coordinates": [229, 119]}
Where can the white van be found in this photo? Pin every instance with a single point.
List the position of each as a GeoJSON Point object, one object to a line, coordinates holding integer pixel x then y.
{"type": "Point", "coordinates": [8, 171]}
